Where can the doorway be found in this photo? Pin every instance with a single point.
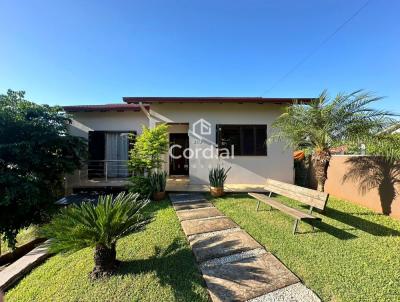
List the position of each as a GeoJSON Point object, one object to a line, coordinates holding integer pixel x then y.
{"type": "Point", "coordinates": [178, 164]}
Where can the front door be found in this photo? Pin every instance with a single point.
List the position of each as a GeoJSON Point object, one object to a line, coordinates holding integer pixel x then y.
{"type": "Point", "coordinates": [178, 164]}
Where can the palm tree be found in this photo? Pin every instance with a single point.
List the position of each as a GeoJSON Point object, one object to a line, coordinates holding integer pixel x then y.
{"type": "Point", "coordinates": [97, 225]}
{"type": "Point", "coordinates": [325, 123]}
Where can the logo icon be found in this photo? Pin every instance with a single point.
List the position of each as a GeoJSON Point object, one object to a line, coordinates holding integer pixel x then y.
{"type": "Point", "coordinates": [202, 127]}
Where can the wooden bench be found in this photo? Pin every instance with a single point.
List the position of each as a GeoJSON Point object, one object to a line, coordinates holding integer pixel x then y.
{"type": "Point", "coordinates": [312, 198]}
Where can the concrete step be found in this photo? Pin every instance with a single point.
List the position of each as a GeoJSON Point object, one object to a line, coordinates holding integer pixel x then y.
{"type": "Point", "coordinates": [23, 265]}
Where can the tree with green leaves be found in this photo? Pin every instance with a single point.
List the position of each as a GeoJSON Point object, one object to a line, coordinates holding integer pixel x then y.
{"type": "Point", "coordinates": [324, 123]}
{"type": "Point", "coordinates": [149, 149]}
{"type": "Point", "coordinates": [35, 153]}
{"type": "Point", "coordinates": [99, 226]}
{"type": "Point", "coordinates": [146, 157]}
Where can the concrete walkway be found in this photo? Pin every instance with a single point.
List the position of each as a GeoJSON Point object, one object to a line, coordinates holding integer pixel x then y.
{"type": "Point", "coordinates": [234, 265]}
{"type": "Point", "coordinates": [16, 270]}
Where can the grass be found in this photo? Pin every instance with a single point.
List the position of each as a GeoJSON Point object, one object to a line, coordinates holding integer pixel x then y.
{"type": "Point", "coordinates": [353, 256]}
{"type": "Point", "coordinates": [24, 236]}
{"type": "Point", "coordinates": [157, 265]}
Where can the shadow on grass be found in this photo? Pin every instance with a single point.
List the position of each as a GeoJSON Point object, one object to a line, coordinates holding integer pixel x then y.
{"type": "Point", "coordinates": [360, 223]}
{"type": "Point", "coordinates": [322, 227]}
{"type": "Point", "coordinates": [349, 219]}
{"type": "Point", "coordinates": [174, 266]}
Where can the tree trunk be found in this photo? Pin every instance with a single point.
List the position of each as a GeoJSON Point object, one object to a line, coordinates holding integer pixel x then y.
{"type": "Point", "coordinates": [105, 261]}
{"type": "Point", "coordinates": [321, 162]}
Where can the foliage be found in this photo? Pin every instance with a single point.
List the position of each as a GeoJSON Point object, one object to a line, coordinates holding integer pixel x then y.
{"type": "Point", "coordinates": [140, 185]}
{"type": "Point", "coordinates": [340, 260]}
{"type": "Point", "coordinates": [89, 224]}
{"type": "Point", "coordinates": [35, 153]}
{"type": "Point", "coordinates": [385, 145]}
{"type": "Point", "coordinates": [325, 123]}
{"type": "Point", "coordinates": [24, 236]}
{"type": "Point", "coordinates": [156, 265]}
{"type": "Point", "coordinates": [217, 176]}
{"type": "Point", "coordinates": [149, 148]}
{"type": "Point", "coordinates": [158, 181]}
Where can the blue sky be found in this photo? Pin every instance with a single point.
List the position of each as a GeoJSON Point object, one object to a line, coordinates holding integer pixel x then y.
{"type": "Point", "coordinates": [94, 52]}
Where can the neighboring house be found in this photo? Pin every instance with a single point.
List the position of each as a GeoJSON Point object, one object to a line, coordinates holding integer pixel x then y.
{"type": "Point", "coordinates": [198, 126]}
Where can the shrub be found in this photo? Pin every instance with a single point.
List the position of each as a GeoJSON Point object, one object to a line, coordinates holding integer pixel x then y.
{"type": "Point", "coordinates": [97, 225]}
{"type": "Point", "coordinates": [140, 185]}
{"type": "Point", "coordinates": [149, 149]}
{"type": "Point", "coordinates": [217, 176]}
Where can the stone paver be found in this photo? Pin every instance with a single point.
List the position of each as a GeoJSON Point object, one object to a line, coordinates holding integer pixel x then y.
{"type": "Point", "coordinates": [297, 292]}
{"type": "Point", "coordinates": [186, 197]}
{"type": "Point", "coordinates": [198, 226]}
{"type": "Point", "coordinates": [234, 265]}
{"type": "Point", "coordinates": [247, 278]}
{"type": "Point", "coordinates": [198, 213]}
{"type": "Point", "coordinates": [205, 248]}
{"type": "Point", "coordinates": [191, 205]}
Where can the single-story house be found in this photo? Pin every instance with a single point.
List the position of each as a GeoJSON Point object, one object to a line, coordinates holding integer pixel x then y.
{"type": "Point", "coordinates": [203, 132]}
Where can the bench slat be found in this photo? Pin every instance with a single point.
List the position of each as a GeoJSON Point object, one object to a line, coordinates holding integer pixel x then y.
{"type": "Point", "coordinates": [284, 208]}
{"type": "Point", "coordinates": [308, 196]}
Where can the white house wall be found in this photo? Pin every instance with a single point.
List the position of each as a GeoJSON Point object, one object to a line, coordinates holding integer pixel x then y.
{"type": "Point", "coordinates": [278, 164]}
{"type": "Point", "coordinates": [83, 122]}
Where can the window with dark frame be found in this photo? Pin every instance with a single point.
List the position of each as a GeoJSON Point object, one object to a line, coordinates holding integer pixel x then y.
{"type": "Point", "coordinates": [97, 144]}
{"type": "Point", "coordinates": [247, 140]}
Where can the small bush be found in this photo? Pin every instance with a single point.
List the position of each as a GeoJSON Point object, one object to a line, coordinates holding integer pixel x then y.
{"type": "Point", "coordinates": [140, 185]}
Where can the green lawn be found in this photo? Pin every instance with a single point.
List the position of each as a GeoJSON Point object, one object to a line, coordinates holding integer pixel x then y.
{"type": "Point", "coordinates": [353, 256]}
{"type": "Point", "coordinates": [158, 265]}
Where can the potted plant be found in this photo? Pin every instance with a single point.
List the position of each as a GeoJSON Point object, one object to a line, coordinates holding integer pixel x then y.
{"type": "Point", "coordinates": [217, 177]}
{"type": "Point", "coordinates": [158, 181]}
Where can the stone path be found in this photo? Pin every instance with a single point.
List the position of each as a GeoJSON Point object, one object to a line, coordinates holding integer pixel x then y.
{"type": "Point", "coordinates": [234, 265]}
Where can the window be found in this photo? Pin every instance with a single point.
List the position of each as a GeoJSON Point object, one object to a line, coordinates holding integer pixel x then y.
{"type": "Point", "coordinates": [109, 152]}
{"type": "Point", "coordinates": [244, 139]}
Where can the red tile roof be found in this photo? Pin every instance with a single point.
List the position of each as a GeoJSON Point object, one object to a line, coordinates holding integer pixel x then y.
{"type": "Point", "coordinates": [106, 107]}
{"type": "Point", "coordinates": [148, 100]}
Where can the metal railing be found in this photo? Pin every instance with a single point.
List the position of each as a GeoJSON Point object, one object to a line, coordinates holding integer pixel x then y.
{"type": "Point", "coordinates": [105, 170]}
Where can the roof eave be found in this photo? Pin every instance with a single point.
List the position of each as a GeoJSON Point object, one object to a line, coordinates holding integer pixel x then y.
{"type": "Point", "coordinates": [244, 100]}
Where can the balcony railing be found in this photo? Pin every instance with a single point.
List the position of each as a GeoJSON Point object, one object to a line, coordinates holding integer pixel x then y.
{"type": "Point", "coordinates": [105, 170]}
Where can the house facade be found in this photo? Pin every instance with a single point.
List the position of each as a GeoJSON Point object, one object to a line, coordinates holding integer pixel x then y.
{"type": "Point", "coordinates": [203, 132]}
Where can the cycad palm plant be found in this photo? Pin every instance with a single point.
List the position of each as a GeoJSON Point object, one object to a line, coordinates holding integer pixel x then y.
{"type": "Point", "coordinates": [97, 225]}
{"type": "Point", "coordinates": [325, 123]}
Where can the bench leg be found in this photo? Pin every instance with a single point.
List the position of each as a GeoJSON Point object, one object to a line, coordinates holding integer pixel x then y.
{"type": "Point", "coordinates": [296, 222]}
{"type": "Point", "coordinates": [269, 195]}
{"type": "Point", "coordinates": [258, 205]}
